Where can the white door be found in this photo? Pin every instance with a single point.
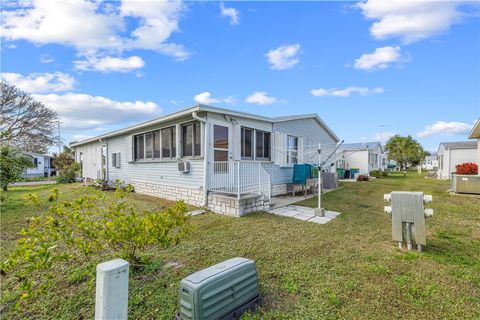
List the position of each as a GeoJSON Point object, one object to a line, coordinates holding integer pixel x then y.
{"type": "Point", "coordinates": [222, 170]}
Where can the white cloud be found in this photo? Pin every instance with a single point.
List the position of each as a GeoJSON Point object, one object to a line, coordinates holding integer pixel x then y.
{"type": "Point", "coordinates": [109, 64]}
{"type": "Point", "coordinates": [261, 97]}
{"type": "Point", "coordinates": [381, 58]}
{"type": "Point", "coordinates": [40, 82]}
{"type": "Point", "coordinates": [334, 92]}
{"type": "Point", "coordinates": [445, 128]}
{"type": "Point", "coordinates": [409, 20]}
{"type": "Point", "coordinates": [206, 98]}
{"type": "Point", "coordinates": [97, 29]}
{"type": "Point", "coordinates": [284, 57]}
{"type": "Point", "coordinates": [231, 13]}
{"type": "Point", "coordinates": [83, 111]}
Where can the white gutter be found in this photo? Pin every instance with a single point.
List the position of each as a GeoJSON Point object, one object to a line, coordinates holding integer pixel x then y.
{"type": "Point", "coordinates": [205, 156]}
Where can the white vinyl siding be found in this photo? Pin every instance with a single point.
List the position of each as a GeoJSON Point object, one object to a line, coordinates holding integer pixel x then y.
{"type": "Point", "coordinates": [161, 172]}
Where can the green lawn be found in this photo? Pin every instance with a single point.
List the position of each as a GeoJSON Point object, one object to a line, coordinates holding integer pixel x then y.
{"type": "Point", "coordinates": [346, 269]}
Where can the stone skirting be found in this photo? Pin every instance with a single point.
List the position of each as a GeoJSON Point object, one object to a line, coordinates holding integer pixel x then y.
{"type": "Point", "coordinates": [194, 197]}
{"type": "Point", "coordinates": [283, 189]}
{"type": "Point", "coordinates": [233, 206]}
{"type": "Point", "coordinates": [279, 189]}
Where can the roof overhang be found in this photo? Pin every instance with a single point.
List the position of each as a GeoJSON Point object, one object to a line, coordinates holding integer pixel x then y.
{"type": "Point", "coordinates": [205, 108]}
{"type": "Point", "coordinates": [475, 133]}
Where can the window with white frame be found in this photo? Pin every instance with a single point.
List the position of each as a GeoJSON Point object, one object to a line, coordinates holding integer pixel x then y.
{"type": "Point", "coordinates": [254, 144]}
{"type": "Point", "coordinates": [158, 144]}
{"type": "Point", "coordinates": [168, 143]}
{"type": "Point", "coordinates": [247, 135]}
{"type": "Point", "coordinates": [262, 145]}
{"type": "Point", "coordinates": [292, 149]}
{"type": "Point", "coordinates": [191, 136]}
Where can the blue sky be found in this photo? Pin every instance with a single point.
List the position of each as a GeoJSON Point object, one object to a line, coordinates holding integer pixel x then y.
{"type": "Point", "coordinates": [369, 69]}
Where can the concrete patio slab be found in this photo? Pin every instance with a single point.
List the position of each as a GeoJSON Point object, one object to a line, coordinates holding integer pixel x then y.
{"type": "Point", "coordinates": [304, 214]}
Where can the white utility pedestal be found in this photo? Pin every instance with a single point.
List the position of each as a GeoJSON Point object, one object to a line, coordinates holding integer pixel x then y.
{"type": "Point", "coordinates": [111, 301]}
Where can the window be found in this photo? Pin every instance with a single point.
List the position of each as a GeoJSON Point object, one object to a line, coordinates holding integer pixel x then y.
{"type": "Point", "coordinates": [159, 144]}
{"type": "Point", "coordinates": [246, 143]}
{"type": "Point", "coordinates": [35, 162]}
{"type": "Point", "coordinates": [220, 143]}
{"type": "Point", "coordinates": [139, 147]}
{"type": "Point", "coordinates": [116, 160]}
{"type": "Point", "coordinates": [262, 143]}
{"type": "Point", "coordinates": [156, 144]}
{"type": "Point", "coordinates": [168, 143]}
{"type": "Point", "coordinates": [149, 145]}
{"type": "Point", "coordinates": [292, 149]}
{"type": "Point", "coordinates": [191, 135]}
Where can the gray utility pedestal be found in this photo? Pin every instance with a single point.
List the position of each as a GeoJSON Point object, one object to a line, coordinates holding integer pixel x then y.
{"type": "Point", "coordinates": [408, 217]}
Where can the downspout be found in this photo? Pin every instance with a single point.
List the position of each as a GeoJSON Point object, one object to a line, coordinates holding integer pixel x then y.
{"type": "Point", "coordinates": [205, 156]}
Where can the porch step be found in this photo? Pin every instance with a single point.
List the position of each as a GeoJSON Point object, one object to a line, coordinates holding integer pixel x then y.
{"type": "Point", "coordinates": [230, 196]}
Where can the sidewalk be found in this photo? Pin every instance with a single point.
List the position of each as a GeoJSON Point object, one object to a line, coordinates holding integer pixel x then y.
{"type": "Point", "coordinates": [32, 183]}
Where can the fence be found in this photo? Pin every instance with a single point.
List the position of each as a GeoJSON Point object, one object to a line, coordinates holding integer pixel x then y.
{"type": "Point", "coordinates": [239, 177]}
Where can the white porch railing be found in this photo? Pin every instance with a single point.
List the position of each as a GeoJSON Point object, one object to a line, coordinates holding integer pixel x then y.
{"type": "Point", "coordinates": [239, 177]}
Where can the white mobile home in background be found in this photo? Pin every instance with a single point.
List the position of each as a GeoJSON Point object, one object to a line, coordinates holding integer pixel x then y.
{"type": "Point", "coordinates": [365, 156]}
{"type": "Point", "coordinates": [43, 166]}
{"type": "Point", "coordinates": [229, 161]}
{"type": "Point", "coordinates": [430, 163]}
{"type": "Point", "coordinates": [451, 154]}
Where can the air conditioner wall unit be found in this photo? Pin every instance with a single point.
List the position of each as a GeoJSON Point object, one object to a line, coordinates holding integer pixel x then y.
{"type": "Point", "coordinates": [184, 166]}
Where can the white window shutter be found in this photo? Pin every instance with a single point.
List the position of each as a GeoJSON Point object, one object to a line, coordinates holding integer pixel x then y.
{"type": "Point", "coordinates": [236, 142]}
{"type": "Point", "coordinates": [129, 144]}
{"type": "Point", "coordinates": [300, 151]}
{"type": "Point", "coordinates": [280, 149]}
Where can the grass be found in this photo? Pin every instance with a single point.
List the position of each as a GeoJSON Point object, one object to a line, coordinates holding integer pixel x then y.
{"type": "Point", "coordinates": [346, 269]}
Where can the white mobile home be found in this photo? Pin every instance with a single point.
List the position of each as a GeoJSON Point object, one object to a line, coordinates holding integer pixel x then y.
{"type": "Point", "coordinates": [42, 165]}
{"type": "Point", "coordinates": [365, 157]}
{"type": "Point", "coordinates": [229, 161]}
{"type": "Point", "coordinates": [430, 163]}
{"type": "Point", "coordinates": [475, 134]}
{"type": "Point", "coordinates": [451, 154]}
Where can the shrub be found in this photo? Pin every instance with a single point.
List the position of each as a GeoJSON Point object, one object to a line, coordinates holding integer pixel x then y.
{"type": "Point", "coordinates": [12, 164]}
{"type": "Point", "coordinates": [362, 177]}
{"type": "Point", "coordinates": [69, 173]}
{"type": "Point", "coordinates": [468, 168]}
{"type": "Point", "coordinates": [83, 230]}
{"type": "Point", "coordinates": [378, 174]}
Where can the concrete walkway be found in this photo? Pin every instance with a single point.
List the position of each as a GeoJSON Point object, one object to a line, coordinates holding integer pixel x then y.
{"type": "Point", "coordinates": [31, 183]}
{"type": "Point", "coordinates": [304, 214]}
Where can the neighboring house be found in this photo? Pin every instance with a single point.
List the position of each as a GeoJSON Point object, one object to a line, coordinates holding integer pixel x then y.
{"type": "Point", "coordinates": [430, 163]}
{"type": "Point", "coordinates": [229, 161]}
{"type": "Point", "coordinates": [366, 156]}
{"type": "Point", "coordinates": [475, 134]}
{"type": "Point", "coordinates": [451, 154]}
{"type": "Point", "coordinates": [43, 166]}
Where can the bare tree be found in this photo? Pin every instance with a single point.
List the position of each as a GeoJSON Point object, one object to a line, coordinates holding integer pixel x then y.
{"type": "Point", "coordinates": [25, 123]}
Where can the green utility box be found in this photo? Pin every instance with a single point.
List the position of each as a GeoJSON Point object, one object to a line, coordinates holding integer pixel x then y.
{"type": "Point", "coordinates": [223, 291]}
{"type": "Point", "coordinates": [341, 173]}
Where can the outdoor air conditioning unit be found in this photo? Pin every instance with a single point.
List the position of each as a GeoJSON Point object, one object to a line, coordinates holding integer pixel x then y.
{"type": "Point", "coordinates": [223, 291]}
{"type": "Point", "coordinates": [466, 184]}
{"type": "Point", "coordinates": [184, 166]}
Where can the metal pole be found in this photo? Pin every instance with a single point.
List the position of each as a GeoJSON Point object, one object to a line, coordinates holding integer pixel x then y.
{"type": "Point", "coordinates": [238, 178]}
{"type": "Point", "coordinates": [59, 138]}
{"type": "Point", "coordinates": [319, 210]}
{"type": "Point", "coordinates": [409, 236]}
